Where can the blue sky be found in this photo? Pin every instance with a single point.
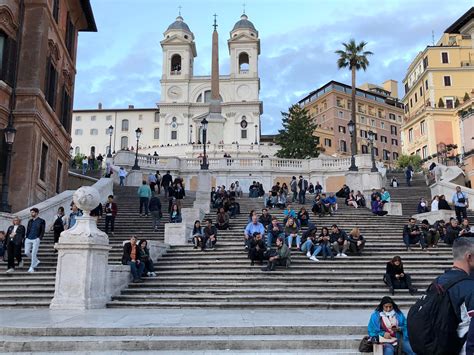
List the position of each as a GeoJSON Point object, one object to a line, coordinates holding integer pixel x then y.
{"type": "Point", "coordinates": [121, 63]}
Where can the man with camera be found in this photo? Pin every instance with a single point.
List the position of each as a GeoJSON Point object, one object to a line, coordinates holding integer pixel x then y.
{"type": "Point", "coordinates": [461, 203]}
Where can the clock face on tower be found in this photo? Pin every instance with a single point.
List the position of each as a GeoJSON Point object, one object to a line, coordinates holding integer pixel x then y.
{"type": "Point", "coordinates": [174, 92]}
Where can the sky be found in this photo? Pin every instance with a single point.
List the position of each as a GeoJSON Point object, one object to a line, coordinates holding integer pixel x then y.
{"type": "Point", "coordinates": [120, 65]}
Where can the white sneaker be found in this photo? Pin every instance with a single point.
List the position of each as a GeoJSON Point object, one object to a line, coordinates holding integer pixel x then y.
{"type": "Point", "coordinates": [308, 254]}
{"type": "Point", "coordinates": [10, 270]}
{"type": "Point", "coordinates": [313, 258]}
{"type": "Point", "coordinates": [31, 269]}
{"type": "Point", "coordinates": [343, 255]}
{"type": "Point", "coordinates": [153, 274]}
{"type": "Point", "coordinates": [338, 255]}
{"type": "Point", "coordinates": [37, 263]}
{"type": "Point", "coordinates": [148, 274]}
{"type": "Point", "coordinates": [21, 264]}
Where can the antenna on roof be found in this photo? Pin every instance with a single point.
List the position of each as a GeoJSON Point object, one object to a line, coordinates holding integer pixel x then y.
{"type": "Point", "coordinates": [215, 22]}
{"type": "Point", "coordinates": [243, 5]}
{"type": "Point", "coordinates": [432, 37]}
{"type": "Point", "coordinates": [179, 10]}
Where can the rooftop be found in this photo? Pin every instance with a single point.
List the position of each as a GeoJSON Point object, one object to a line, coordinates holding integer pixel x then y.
{"type": "Point", "coordinates": [460, 22]}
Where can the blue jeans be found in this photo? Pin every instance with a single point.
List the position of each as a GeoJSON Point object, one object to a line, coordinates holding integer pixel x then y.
{"type": "Point", "coordinates": [122, 179]}
{"type": "Point", "coordinates": [84, 169]}
{"type": "Point", "coordinates": [307, 246]}
{"type": "Point", "coordinates": [289, 238]}
{"type": "Point", "coordinates": [136, 269]}
{"type": "Point", "coordinates": [389, 349]}
{"type": "Point", "coordinates": [270, 238]}
{"type": "Point", "coordinates": [326, 249]}
{"type": "Point", "coordinates": [414, 240]}
{"type": "Point", "coordinates": [144, 203]}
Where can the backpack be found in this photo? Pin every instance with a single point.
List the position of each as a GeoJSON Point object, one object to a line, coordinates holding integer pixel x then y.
{"type": "Point", "coordinates": [432, 322]}
{"type": "Point", "coordinates": [58, 225]}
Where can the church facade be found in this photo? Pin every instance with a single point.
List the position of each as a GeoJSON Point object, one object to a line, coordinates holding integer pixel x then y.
{"type": "Point", "coordinates": [186, 98]}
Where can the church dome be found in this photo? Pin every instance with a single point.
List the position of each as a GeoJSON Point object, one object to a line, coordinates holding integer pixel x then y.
{"type": "Point", "coordinates": [244, 23]}
{"type": "Point", "coordinates": [179, 24]}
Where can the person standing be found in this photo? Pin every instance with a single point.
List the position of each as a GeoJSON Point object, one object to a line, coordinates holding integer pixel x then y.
{"type": "Point", "coordinates": [34, 234]}
{"type": "Point", "coordinates": [158, 181]}
{"type": "Point", "coordinates": [152, 181]}
{"type": "Point", "coordinates": [122, 175]}
{"type": "Point", "coordinates": [110, 214]}
{"type": "Point", "coordinates": [179, 194]}
{"type": "Point", "coordinates": [155, 209]}
{"type": "Point", "coordinates": [461, 203]}
{"type": "Point", "coordinates": [408, 174]}
{"type": "Point", "coordinates": [166, 182]}
{"type": "Point", "coordinates": [59, 225]}
{"type": "Point", "coordinates": [293, 188]}
{"type": "Point", "coordinates": [76, 212]}
{"type": "Point", "coordinates": [84, 165]}
{"type": "Point", "coordinates": [100, 158]}
{"type": "Point", "coordinates": [303, 187]}
{"type": "Point", "coordinates": [14, 238]}
{"type": "Point", "coordinates": [144, 193]}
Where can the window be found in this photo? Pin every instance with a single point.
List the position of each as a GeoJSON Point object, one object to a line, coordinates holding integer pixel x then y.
{"type": "Point", "coordinates": [243, 133]}
{"type": "Point", "coordinates": [418, 152]}
{"type": "Point", "coordinates": [343, 146]}
{"type": "Point", "coordinates": [51, 83]}
{"type": "Point", "coordinates": [176, 64]}
{"type": "Point", "coordinates": [107, 131]}
{"type": "Point", "coordinates": [421, 91]}
{"type": "Point", "coordinates": [426, 84]}
{"type": "Point", "coordinates": [410, 135]}
{"type": "Point", "coordinates": [243, 63]}
{"type": "Point", "coordinates": [382, 125]}
{"type": "Point", "coordinates": [360, 108]}
{"type": "Point", "coordinates": [78, 118]}
{"type": "Point", "coordinates": [393, 130]}
{"type": "Point", "coordinates": [66, 112]}
{"type": "Point", "coordinates": [376, 151]}
{"type": "Point", "coordinates": [7, 58]}
{"type": "Point", "coordinates": [327, 142]}
{"type": "Point", "coordinates": [447, 80]}
{"type": "Point", "coordinates": [124, 142]}
{"type": "Point", "coordinates": [383, 139]}
{"type": "Point", "coordinates": [394, 141]}
{"type": "Point", "coordinates": [78, 132]}
{"type": "Point", "coordinates": [342, 129]}
{"type": "Point", "coordinates": [365, 149]}
{"type": "Point", "coordinates": [424, 153]}
{"type": "Point", "coordinates": [77, 150]}
{"type": "Point", "coordinates": [395, 155]}
{"type": "Point", "coordinates": [156, 133]}
{"type": "Point", "coordinates": [56, 10]}
{"type": "Point", "coordinates": [108, 118]}
{"type": "Point", "coordinates": [44, 159]}
{"type": "Point", "coordinates": [93, 118]}
{"type": "Point", "coordinates": [59, 170]}
{"type": "Point", "coordinates": [124, 125]}
{"type": "Point", "coordinates": [386, 155]}
{"type": "Point", "coordinates": [444, 57]}
{"type": "Point", "coordinates": [174, 135]}
{"type": "Point", "coordinates": [94, 131]}
{"type": "Point", "coordinates": [341, 114]}
{"type": "Point", "coordinates": [70, 36]}
{"type": "Point", "coordinates": [422, 127]}
{"type": "Point", "coordinates": [362, 119]}
{"type": "Point", "coordinates": [416, 97]}
{"type": "Point", "coordinates": [339, 102]}
{"type": "Point", "coordinates": [375, 136]}
{"type": "Point", "coordinates": [380, 113]}
{"type": "Point", "coordinates": [363, 133]}
{"type": "Point", "coordinates": [406, 88]}
{"type": "Point", "coordinates": [449, 103]}
{"type": "Point", "coordinates": [157, 117]}
{"type": "Point", "coordinates": [411, 102]}
{"type": "Point", "coordinates": [425, 62]}
{"type": "Point", "coordinates": [374, 123]}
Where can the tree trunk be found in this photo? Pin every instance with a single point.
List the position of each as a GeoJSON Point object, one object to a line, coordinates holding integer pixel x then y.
{"type": "Point", "coordinates": [354, 138]}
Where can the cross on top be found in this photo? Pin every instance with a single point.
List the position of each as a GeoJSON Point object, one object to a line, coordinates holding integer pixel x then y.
{"type": "Point", "coordinates": [243, 5]}
{"type": "Point", "coordinates": [179, 11]}
{"type": "Point", "coordinates": [215, 22]}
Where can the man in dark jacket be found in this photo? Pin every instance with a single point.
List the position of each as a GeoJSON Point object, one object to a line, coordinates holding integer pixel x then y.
{"type": "Point", "coordinates": [110, 214]}
{"type": "Point", "coordinates": [131, 257]}
{"type": "Point", "coordinates": [303, 187]}
{"type": "Point", "coordinates": [13, 240]}
{"type": "Point", "coordinates": [155, 209]}
{"type": "Point", "coordinates": [166, 181]}
{"type": "Point", "coordinates": [257, 249]}
{"type": "Point", "coordinates": [453, 232]}
{"type": "Point", "coordinates": [282, 256]}
{"type": "Point", "coordinates": [412, 235]}
{"type": "Point", "coordinates": [339, 241]}
{"type": "Point", "coordinates": [34, 234]}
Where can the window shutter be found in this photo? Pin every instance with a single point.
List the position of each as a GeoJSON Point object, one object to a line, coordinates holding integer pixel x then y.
{"type": "Point", "coordinates": [10, 64]}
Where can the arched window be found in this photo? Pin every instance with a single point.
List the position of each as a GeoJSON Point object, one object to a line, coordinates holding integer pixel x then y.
{"type": "Point", "coordinates": [93, 150]}
{"type": "Point", "coordinates": [156, 134]}
{"type": "Point", "coordinates": [176, 64]}
{"type": "Point", "coordinates": [77, 150]}
{"type": "Point", "coordinates": [243, 63]}
{"type": "Point", "coordinates": [124, 142]}
{"type": "Point", "coordinates": [124, 125]}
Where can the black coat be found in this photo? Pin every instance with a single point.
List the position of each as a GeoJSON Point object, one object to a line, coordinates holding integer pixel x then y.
{"type": "Point", "coordinates": [166, 180]}
{"type": "Point", "coordinates": [19, 235]}
{"type": "Point", "coordinates": [42, 227]}
{"type": "Point", "coordinates": [154, 204]}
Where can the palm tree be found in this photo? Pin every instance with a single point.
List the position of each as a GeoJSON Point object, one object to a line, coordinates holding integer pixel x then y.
{"type": "Point", "coordinates": [353, 57]}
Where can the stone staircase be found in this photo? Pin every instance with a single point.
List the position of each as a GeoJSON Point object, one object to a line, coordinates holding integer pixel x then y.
{"type": "Point", "coordinates": [22, 289]}
{"type": "Point", "coordinates": [409, 196]}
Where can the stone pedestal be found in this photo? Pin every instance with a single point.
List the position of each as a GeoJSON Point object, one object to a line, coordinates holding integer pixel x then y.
{"type": "Point", "coordinates": [177, 233]}
{"type": "Point", "coordinates": [203, 193]}
{"type": "Point", "coordinates": [83, 253]}
{"type": "Point", "coordinates": [435, 216]}
{"type": "Point", "coordinates": [363, 181]}
{"type": "Point", "coordinates": [393, 208]}
{"type": "Point", "coordinates": [134, 178]}
{"type": "Point", "coordinates": [190, 215]}
{"type": "Point", "coordinates": [81, 275]}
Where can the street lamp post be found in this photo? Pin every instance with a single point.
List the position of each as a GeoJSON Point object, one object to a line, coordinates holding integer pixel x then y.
{"type": "Point", "coordinates": [110, 130]}
{"type": "Point", "coordinates": [256, 128]}
{"type": "Point", "coordinates": [138, 133]}
{"type": "Point", "coordinates": [351, 126]}
{"type": "Point", "coordinates": [205, 164]}
{"type": "Point", "coordinates": [10, 133]}
{"type": "Point", "coordinates": [372, 155]}
{"type": "Point", "coordinates": [190, 134]}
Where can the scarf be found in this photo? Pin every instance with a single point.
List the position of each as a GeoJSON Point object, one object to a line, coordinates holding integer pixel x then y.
{"type": "Point", "coordinates": [387, 321]}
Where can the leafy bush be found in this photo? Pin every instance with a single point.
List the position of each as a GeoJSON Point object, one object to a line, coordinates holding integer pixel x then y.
{"type": "Point", "coordinates": [405, 160]}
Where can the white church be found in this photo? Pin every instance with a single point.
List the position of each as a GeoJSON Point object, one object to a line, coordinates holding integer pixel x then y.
{"type": "Point", "coordinates": [186, 98]}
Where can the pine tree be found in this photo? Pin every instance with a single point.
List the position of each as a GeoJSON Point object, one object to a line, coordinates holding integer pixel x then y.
{"type": "Point", "coordinates": [466, 97]}
{"type": "Point", "coordinates": [296, 139]}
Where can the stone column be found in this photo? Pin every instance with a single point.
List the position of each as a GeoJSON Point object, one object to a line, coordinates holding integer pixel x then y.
{"type": "Point", "coordinates": [203, 192]}
{"type": "Point", "coordinates": [83, 251]}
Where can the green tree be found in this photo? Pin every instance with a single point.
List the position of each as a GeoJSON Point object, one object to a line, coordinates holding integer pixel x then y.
{"type": "Point", "coordinates": [354, 57]}
{"type": "Point", "coordinates": [296, 139]}
{"type": "Point", "coordinates": [413, 160]}
{"type": "Point", "coordinates": [466, 97]}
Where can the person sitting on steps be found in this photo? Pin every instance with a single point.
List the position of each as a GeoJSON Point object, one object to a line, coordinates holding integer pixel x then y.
{"type": "Point", "coordinates": [422, 206]}
{"type": "Point", "coordinates": [339, 241]}
{"type": "Point", "coordinates": [303, 217]}
{"type": "Point", "coordinates": [356, 242]}
{"type": "Point", "coordinates": [145, 258]}
{"type": "Point", "coordinates": [209, 238]}
{"type": "Point", "coordinates": [251, 228]}
{"type": "Point", "coordinates": [175, 215]}
{"type": "Point", "coordinates": [396, 278]}
{"type": "Point", "coordinates": [222, 220]}
{"type": "Point", "coordinates": [412, 235]}
{"type": "Point", "coordinates": [351, 200]}
{"type": "Point", "coordinates": [360, 199]}
{"type": "Point", "coordinates": [343, 192]}
{"type": "Point", "coordinates": [377, 207]}
{"type": "Point", "coordinates": [291, 232]}
{"type": "Point", "coordinates": [257, 249]}
{"type": "Point", "coordinates": [443, 204]}
{"type": "Point", "coordinates": [466, 229]}
{"type": "Point", "coordinates": [265, 218]}
{"type": "Point", "coordinates": [385, 196]}
{"type": "Point", "coordinates": [197, 234]}
{"type": "Point", "coordinates": [430, 234]}
{"type": "Point", "coordinates": [275, 230]}
{"type": "Point", "coordinates": [281, 257]}
{"type": "Point", "coordinates": [309, 238]}
{"type": "Point", "coordinates": [131, 257]}
{"type": "Point", "coordinates": [332, 200]}
{"type": "Point", "coordinates": [453, 232]}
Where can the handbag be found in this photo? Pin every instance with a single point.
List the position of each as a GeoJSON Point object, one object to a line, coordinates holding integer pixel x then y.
{"type": "Point", "coordinates": [366, 345]}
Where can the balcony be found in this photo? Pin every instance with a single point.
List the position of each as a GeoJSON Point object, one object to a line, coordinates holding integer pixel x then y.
{"type": "Point", "coordinates": [175, 72]}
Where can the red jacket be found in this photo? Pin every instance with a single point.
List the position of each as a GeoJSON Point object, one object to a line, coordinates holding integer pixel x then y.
{"type": "Point", "coordinates": [111, 207]}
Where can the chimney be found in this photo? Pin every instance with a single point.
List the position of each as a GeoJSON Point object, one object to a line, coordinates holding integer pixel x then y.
{"type": "Point", "coordinates": [392, 86]}
{"type": "Point", "coordinates": [99, 106]}
{"type": "Point", "coordinates": [131, 107]}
